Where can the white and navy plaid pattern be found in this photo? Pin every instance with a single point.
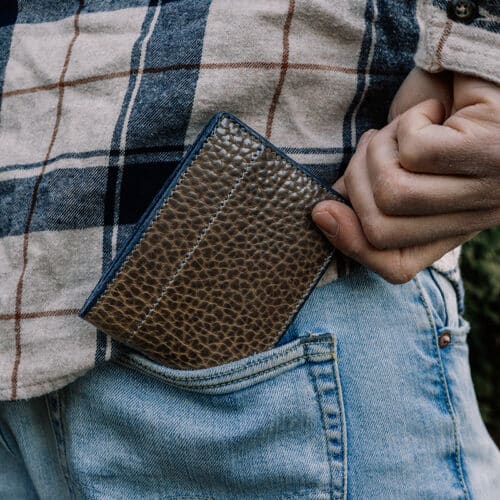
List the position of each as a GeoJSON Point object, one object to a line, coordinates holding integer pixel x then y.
{"type": "Point", "coordinates": [99, 100]}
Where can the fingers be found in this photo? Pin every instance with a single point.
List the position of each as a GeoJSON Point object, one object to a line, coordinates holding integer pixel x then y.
{"type": "Point", "coordinates": [385, 231]}
{"type": "Point", "coordinates": [339, 186]}
{"type": "Point", "coordinates": [397, 191]}
{"type": "Point", "coordinates": [425, 183]}
{"type": "Point", "coordinates": [426, 146]}
{"type": "Point", "coordinates": [469, 91]}
{"type": "Point", "coordinates": [420, 86]}
{"type": "Point", "coordinates": [342, 227]}
{"type": "Point", "coordinates": [398, 232]}
{"type": "Point", "coordinates": [459, 146]}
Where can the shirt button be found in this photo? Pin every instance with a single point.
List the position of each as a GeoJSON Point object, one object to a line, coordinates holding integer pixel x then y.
{"type": "Point", "coordinates": [462, 11]}
{"type": "Point", "coordinates": [444, 339]}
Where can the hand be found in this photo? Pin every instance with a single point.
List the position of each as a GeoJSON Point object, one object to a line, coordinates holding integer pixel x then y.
{"type": "Point", "coordinates": [425, 183]}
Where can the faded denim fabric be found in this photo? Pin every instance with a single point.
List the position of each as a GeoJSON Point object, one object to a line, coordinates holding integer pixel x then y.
{"type": "Point", "coordinates": [356, 401]}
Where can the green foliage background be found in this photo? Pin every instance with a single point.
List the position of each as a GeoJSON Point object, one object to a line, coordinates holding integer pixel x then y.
{"type": "Point", "coordinates": [481, 273]}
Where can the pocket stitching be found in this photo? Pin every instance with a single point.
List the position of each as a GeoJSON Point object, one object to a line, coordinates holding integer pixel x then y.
{"type": "Point", "coordinates": [126, 359]}
{"type": "Point", "coordinates": [323, 403]}
{"type": "Point", "coordinates": [148, 371]}
{"type": "Point", "coordinates": [184, 381]}
{"type": "Point", "coordinates": [221, 384]}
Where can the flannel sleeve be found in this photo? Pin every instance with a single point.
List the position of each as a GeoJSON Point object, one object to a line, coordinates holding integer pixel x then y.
{"type": "Point", "coordinates": [461, 36]}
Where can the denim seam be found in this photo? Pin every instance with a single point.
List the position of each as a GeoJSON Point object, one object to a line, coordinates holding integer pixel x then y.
{"type": "Point", "coordinates": [295, 361]}
{"type": "Point", "coordinates": [228, 372]}
{"type": "Point", "coordinates": [325, 417]}
{"type": "Point", "coordinates": [442, 295]}
{"type": "Point", "coordinates": [58, 432]}
{"type": "Point", "coordinates": [323, 425]}
{"type": "Point", "coordinates": [340, 399]}
{"type": "Point", "coordinates": [300, 347]}
{"type": "Point", "coordinates": [222, 384]}
{"type": "Point", "coordinates": [458, 448]}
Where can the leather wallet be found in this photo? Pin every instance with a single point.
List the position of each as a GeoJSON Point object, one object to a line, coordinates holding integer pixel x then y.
{"type": "Point", "coordinates": [223, 258]}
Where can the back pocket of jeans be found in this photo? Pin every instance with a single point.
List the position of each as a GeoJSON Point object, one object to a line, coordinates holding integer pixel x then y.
{"type": "Point", "coordinates": [270, 426]}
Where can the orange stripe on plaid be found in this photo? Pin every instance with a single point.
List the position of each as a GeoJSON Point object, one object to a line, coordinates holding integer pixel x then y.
{"type": "Point", "coordinates": [20, 284]}
{"type": "Point", "coordinates": [284, 68]}
{"type": "Point", "coordinates": [40, 314]}
{"type": "Point", "coordinates": [193, 67]}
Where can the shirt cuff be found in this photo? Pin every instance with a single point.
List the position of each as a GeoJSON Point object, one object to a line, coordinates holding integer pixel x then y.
{"type": "Point", "coordinates": [467, 45]}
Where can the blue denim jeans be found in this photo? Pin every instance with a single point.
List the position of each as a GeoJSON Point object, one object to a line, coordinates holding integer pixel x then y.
{"type": "Point", "coordinates": [368, 395]}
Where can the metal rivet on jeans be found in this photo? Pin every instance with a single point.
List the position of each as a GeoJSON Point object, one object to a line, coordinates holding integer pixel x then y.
{"type": "Point", "coordinates": [444, 339]}
{"type": "Point", "coordinates": [462, 11]}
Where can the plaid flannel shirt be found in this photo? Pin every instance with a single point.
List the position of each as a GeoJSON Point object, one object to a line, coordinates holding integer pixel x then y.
{"type": "Point", "coordinates": [99, 100]}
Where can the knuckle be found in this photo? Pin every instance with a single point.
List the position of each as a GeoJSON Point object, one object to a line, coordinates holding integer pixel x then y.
{"type": "Point", "coordinates": [374, 146]}
{"type": "Point", "coordinates": [484, 194]}
{"type": "Point", "coordinates": [348, 177]}
{"type": "Point", "coordinates": [402, 272]}
{"type": "Point", "coordinates": [467, 157]}
{"type": "Point", "coordinates": [410, 151]}
{"type": "Point", "coordinates": [356, 250]}
{"type": "Point", "coordinates": [375, 232]}
{"type": "Point", "coordinates": [390, 191]}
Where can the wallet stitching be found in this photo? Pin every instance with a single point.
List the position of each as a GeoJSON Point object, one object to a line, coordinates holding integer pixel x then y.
{"type": "Point", "coordinates": [132, 253]}
{"type": "Point", "coordinates": [205, 231]}
{"type": "Point", "coordinates": [154, 219]}
{"type": "Point", "coordinates": [273, 153]}
{"type": "Point", "coordinates": [190, 253]}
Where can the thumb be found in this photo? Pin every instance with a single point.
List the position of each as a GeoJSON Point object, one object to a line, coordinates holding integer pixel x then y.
{"type": "Point", "coordinates": [341, 226]}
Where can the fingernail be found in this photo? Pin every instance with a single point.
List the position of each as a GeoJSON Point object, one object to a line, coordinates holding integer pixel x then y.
{"type": "Point", "coordinates": [326, 223]}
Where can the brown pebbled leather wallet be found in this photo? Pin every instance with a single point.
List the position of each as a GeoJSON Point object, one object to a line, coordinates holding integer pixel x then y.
{"type": "Point", "coordinates": [223, 258]}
